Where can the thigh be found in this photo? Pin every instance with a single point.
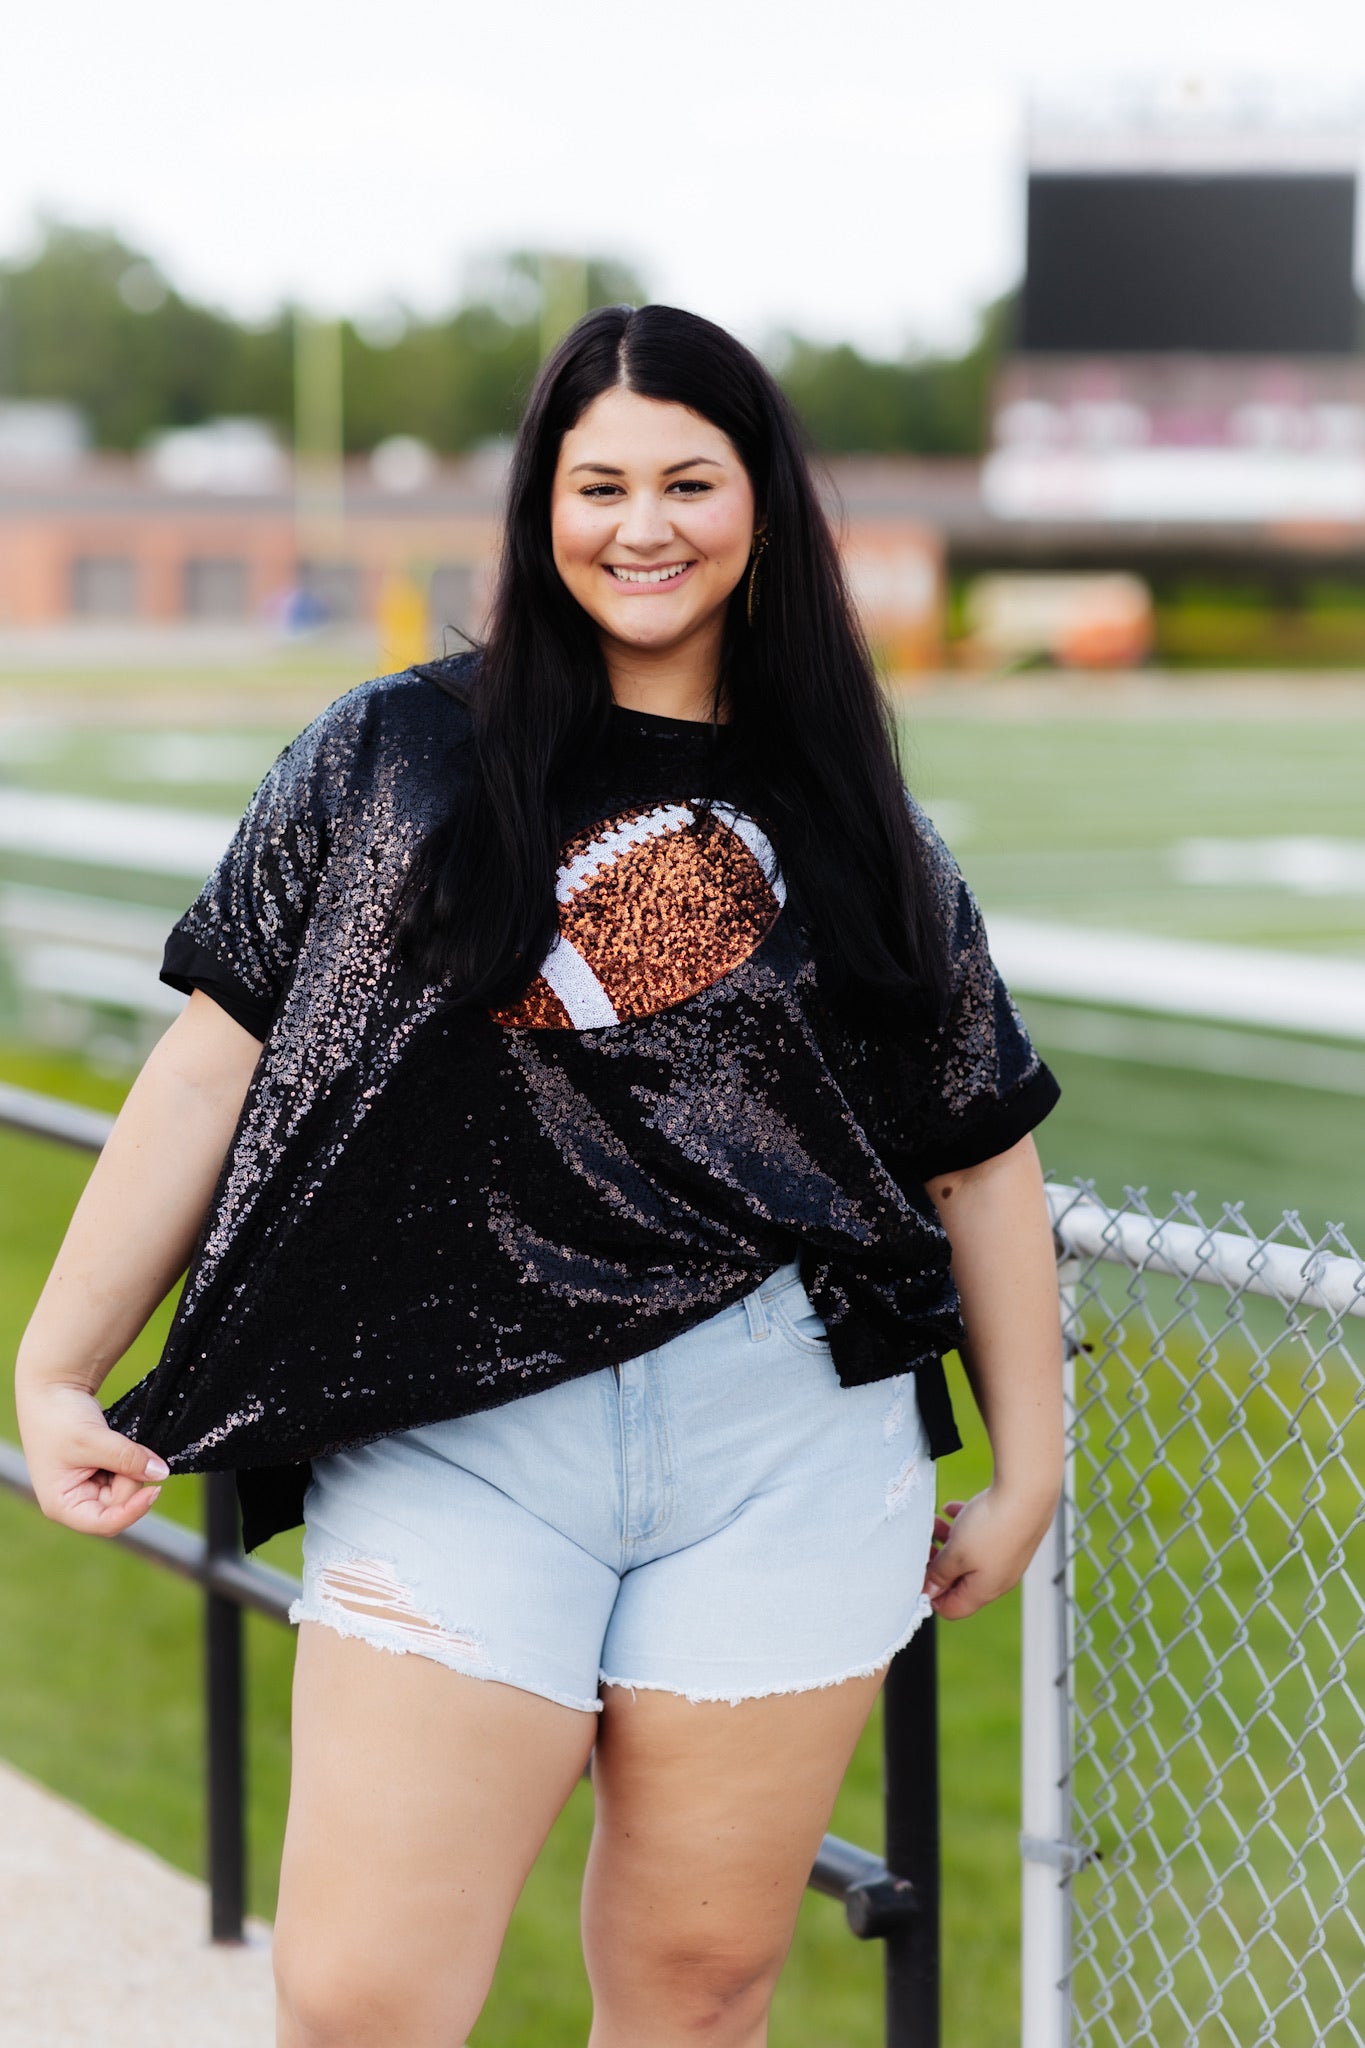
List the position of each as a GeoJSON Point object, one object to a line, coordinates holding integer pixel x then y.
{"type": "Point", "coordinates": [709, 1817]}
{"type": "Point", "coordinates": [420, 1797]}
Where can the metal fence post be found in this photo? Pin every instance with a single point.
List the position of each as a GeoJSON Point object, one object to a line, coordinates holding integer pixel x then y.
{"type": "Point", "coordinates": [225, 1758]}
{"type": "Point", "coordinates": [910, 1778]}
{"type": "Point", "coordinates": [1049, 1857]}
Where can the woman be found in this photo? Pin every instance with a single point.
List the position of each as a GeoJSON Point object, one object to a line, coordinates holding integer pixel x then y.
{"type": "Point", "coordinates": [639, 1120]}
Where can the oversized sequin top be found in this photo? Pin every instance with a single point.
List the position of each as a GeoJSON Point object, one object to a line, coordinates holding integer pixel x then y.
{"type": "Point", "coordinates": [429, 1209]}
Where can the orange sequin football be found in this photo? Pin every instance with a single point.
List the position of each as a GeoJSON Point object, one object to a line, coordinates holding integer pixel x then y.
{"type": "Point", "coordinates": [654, 906]}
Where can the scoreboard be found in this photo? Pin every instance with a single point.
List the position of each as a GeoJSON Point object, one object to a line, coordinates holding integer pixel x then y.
{"type": "Point", "coordinates": [1222, 263]}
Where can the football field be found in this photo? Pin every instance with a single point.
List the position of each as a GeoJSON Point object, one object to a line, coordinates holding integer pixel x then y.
{"type": "Point", "coordinates": [1233, 822]}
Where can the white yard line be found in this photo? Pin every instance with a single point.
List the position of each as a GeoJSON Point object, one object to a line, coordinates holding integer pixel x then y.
{"type": "Point", "coordinates": [150, 839]}
{"type": "Point", "coordinates": [1194, 1048]}
{"type": "Point", "coordinates": [1307, 992]}
{"type": "Point", "coordinates": [102, 1944]}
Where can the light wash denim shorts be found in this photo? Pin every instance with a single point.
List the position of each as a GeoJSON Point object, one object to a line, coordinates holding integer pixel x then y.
{"type": "Point", "coordinates": [717, 1518]}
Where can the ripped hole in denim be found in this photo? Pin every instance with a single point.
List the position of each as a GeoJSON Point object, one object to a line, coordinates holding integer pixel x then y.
{"type": "Point", "coordinates": [367, 1586]}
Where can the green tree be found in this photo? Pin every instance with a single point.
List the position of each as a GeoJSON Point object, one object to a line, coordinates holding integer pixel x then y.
{"type": "Point", "coordinates": [464, 378]}
{"type": "Point", "coordinates": [90, 319]}
{"type": "Point", "coordinates": [931, 405]}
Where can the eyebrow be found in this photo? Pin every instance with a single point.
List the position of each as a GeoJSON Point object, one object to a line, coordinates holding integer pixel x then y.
{"type": "Point", "coordinates": [606, 469]}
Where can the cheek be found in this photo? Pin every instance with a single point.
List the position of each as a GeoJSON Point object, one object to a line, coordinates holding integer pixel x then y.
{"type": "Point", "coordinates": [574, 538]}
{"type": "Point", "coordinates": [721, 530]}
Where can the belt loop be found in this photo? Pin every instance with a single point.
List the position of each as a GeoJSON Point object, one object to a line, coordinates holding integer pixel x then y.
{"type": "Point", "coordinates": [757, 1313]}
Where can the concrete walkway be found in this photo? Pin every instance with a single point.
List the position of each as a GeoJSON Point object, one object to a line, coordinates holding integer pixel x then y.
{"type": "Point", "coordinates": [102, 1944]}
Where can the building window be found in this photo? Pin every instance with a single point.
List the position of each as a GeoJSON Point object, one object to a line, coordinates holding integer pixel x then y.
{"type": "Point", "coordinates": [214, 587]}
{"type": "Point", "coordinates": [103, 587]}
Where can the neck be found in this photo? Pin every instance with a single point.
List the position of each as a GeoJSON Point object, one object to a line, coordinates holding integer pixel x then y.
{"type": "Point", "coordinates": [674, 682]}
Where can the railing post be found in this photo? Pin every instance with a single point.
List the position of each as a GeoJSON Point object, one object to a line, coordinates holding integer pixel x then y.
{"type": "Point", "coordinates": [1049, 1855]}
{"type": "Point", "coordinates": [223, 1698]}
{"type": "Point", "coordinates": [910, 1779]}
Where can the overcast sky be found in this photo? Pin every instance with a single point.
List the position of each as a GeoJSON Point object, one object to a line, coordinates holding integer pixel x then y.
{"type": "Point", "coordinates": [849, 168]}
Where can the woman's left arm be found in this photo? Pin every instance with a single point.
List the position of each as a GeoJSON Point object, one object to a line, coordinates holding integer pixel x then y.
{"type": "Point", "coordinates": [996, 1218]}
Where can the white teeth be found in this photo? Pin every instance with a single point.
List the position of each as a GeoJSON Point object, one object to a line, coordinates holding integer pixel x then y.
{"type": "Point", "coordinates": [648, 575]}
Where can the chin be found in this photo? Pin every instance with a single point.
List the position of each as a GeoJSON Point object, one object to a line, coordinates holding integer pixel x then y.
{"type": "Point", "coordinates": [661, 636]}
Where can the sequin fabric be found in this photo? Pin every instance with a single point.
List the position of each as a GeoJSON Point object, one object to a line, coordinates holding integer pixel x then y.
{"type": "Point", "coordinates": [427, 1210]}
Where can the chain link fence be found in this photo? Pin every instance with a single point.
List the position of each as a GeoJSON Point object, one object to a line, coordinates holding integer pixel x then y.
{"type": "Point", "coordinates": [1194, 1643]}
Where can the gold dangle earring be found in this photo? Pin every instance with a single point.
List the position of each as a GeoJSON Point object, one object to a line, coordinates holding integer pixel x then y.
{"type": "Point", "coordinates": [760, 542]}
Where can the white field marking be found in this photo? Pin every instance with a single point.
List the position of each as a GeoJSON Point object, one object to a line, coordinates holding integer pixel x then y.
{"type": "Point", "coordinates": [27, 742]}
{"type": "Point", "coordinates": [198, 757]}
{"type": "Point", "coordinates": [1197, 1048]}
{"type": "Point", "coordinates": [618, 839]}
{"type": "Point", "coordinates": [89, 976]}
{"type": "Point", "coordinates": [1308, 866]}
{"type": "Point", "coordinates": [573, 981]}
{"type": "Point", "coordinates": [29, 913]}
{"type": "Point", "coordinates": [145, 837]}
{"type": "Point", "coordinates": [1308, 992]}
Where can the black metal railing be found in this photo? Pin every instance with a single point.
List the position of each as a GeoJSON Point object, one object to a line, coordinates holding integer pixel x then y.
{"type": "Point", "coordinates": [892, 1898]}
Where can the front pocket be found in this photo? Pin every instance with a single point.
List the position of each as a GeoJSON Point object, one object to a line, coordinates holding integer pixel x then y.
{"type": "Point", "coordinates": [794, 1315]}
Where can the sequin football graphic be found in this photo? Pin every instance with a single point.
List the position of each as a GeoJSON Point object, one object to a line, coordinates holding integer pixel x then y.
{"type": "Point", "coordinates": [653, 908]}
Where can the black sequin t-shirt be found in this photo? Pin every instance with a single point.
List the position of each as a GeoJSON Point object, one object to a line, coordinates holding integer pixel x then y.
{"type": "Point", "coordinates": [428, 1209]}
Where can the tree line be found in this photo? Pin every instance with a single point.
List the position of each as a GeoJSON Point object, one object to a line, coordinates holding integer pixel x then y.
{"type": "Point", "coordinates": [87, 318]}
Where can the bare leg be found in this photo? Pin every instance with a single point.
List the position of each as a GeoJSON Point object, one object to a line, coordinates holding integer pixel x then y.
{"type": "Point", "coordinates": [419, 1801]}
{"type": "Point", "coordinates": [708, 1821]}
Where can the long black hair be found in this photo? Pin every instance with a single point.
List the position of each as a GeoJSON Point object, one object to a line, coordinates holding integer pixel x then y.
{"type": "Point", "coordinates": [808, 715]}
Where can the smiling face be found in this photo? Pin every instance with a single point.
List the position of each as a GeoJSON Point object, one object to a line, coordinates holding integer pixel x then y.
{"type": "Point", "coordinates": [651, 522]}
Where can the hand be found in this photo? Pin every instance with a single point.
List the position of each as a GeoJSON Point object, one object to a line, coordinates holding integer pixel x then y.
{"type": "Point", "coordinates": [980, 1549]}
{"type": "Point", "coordinates": [85, 1474]}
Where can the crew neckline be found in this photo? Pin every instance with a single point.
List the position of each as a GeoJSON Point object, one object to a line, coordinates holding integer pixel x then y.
{"type": "Point", "coordinates": [658, 721]}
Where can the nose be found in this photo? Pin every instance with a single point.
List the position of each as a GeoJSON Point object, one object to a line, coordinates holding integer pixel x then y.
{"type": "Point", "coordinates": [644, 523]}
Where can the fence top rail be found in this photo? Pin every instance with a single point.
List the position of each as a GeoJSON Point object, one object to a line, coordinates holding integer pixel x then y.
{"type": "Point", "coordinates": [1294, 1275]}
{"type": "Point", "coordinates": [43, 1116]}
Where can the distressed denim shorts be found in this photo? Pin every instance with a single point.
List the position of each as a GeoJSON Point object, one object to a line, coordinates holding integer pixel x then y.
{"type": "Point", "coordinates": [717, 1518]}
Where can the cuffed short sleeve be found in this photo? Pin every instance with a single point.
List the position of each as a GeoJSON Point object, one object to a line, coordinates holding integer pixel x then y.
{"type": "Point", "coordinates": [240, 938]}
{"type": "Point", "coordinates": [987, 1087]}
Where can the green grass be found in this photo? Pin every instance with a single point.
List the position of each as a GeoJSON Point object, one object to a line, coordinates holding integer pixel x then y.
{"type": "Point", "coordinates": [1074, 819]}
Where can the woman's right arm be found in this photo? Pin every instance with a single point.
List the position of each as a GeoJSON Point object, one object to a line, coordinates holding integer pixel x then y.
{"type": "Point", "coordinates": [129, 1240]}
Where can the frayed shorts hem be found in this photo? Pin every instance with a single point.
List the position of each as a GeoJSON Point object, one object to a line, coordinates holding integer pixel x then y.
{"type": "Point", "coordinates": [379, 1638]}
{"type": "Point", "coordinates": [697, 1697]}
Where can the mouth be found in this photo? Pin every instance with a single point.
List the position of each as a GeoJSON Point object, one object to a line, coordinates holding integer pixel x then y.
{"type": "Point", "coordinates": [663, 578]}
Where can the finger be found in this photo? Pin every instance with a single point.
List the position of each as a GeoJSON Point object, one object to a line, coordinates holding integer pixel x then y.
{"type": "Point", "coordinates": [958, 1601]}
{"type": "Point", "coordinates": [95, 1518]}
{"type": "Point", "coordinates": [113, 1453]}
{"type": "Point", "coordinates": [940, 1572]}
{"type": "Point", "coordinates": [109, 1490]}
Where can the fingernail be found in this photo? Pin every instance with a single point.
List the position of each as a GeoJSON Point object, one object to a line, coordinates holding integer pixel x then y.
{"type": "Point", "coordinates": [155, 1494]}
{"type": "Point", "coordinates": [156, 1468]}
